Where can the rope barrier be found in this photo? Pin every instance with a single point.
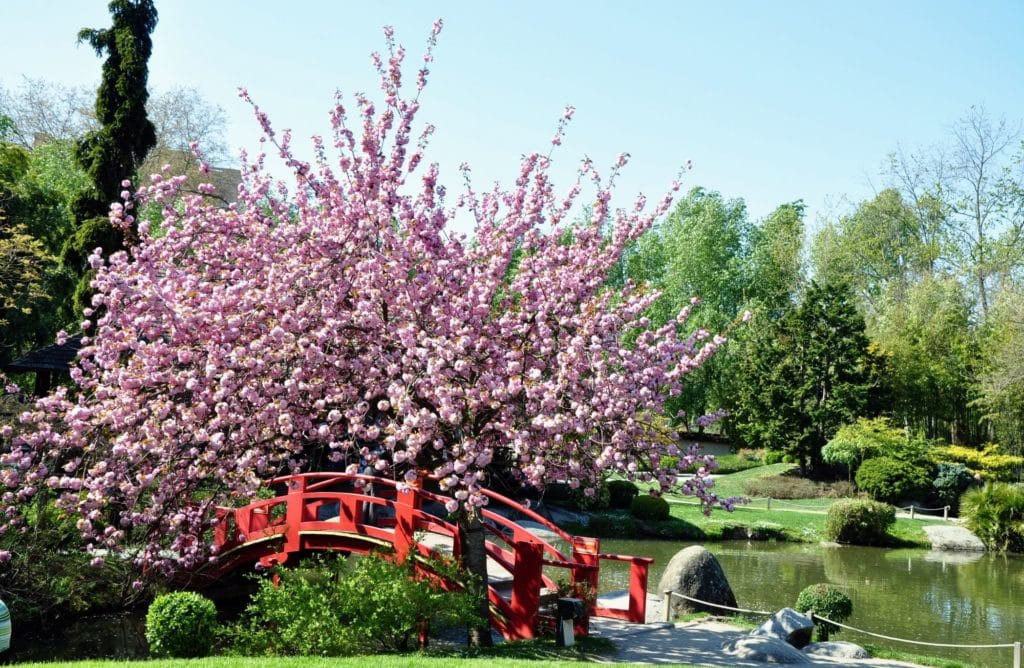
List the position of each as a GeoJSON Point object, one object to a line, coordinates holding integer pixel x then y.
{"type": "Point", "coordinates": [670, 594]}
{"type": "Point", "coordinates": [912, 642]}
{"type": "Point", "coordinates": [1016, 646]}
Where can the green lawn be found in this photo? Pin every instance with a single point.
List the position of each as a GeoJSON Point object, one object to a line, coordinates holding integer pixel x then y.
{"type": "Point", "coordinates": [797, 519]}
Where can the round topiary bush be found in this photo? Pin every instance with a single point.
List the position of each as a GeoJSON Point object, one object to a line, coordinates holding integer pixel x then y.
{"type": "Point", "coordinates": [648, 507]}
{"type": "Point", "coordinates": [859, 522]}
{"type": "Point", "coordinates": [621, 493]}
{"type": "Point", "coordinates": [890, 480]}
{"type": "Point", "coordinates": [181, 625]}
{"type": "Point", "coordinates": [825, 601]}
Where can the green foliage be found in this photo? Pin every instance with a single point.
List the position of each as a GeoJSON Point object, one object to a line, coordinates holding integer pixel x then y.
{"type": "Point", "coordinates": [707, 247]}
{"type": "Point", "coordinates": [329, 607]}
{"type": "Point", "coordinates": [782, 487]}
{"type": "Point", "coordinates": [49, 579]}
{"type": "Point", "coordinates": [740, 461]}
{"type": "Point", "coordinates": [608, 525]}
{"type": "Point", "coordinates": [991, 461]}
{"type": "Point", "coordinates": [951, 481]}
{"type": "Point", "coordinates": [864, 439]}
{"type": "Point", "coordinates": [806, 376]}
{"type": "Point", "coordinates": [647, 507]}
{"type": "Point", "coordinates": [181, 625]}
{"type": "Point", "coordinates": [859, 522]}
{"type": "Point", "coordinates": [621, 493]}
{"type": "Point", "coordinates": [891, 480]}
{"type": "Point", "coordinates": [562, 494]}
{"type": "Point", "coordinates": [995, 514]}
{"type": "Point", "coordinates": [826, 601]}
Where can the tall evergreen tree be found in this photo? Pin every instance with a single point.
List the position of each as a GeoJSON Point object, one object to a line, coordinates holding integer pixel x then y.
{"type": "Point", "coordinates": [808, 375]}
{"type": "Point", "coordinates": [113, 152]}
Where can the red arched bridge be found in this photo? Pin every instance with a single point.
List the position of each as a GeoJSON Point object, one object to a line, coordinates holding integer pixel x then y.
{"type": "Point", "coordinates": [353, 513]}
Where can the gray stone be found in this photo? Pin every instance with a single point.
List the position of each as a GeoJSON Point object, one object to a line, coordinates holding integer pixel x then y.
{"type": "Point", "coordinates": [789, 626]}
{"type": "Point", "coordinates": [952, 537]}
{"type": "Point", "coordinates": [837, 650]}
{"type": "Point", "coordinates": [695, 572]}
{"type": "Point", "coordinates": [764, 649]}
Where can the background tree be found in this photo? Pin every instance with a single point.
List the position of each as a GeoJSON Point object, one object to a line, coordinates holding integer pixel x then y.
{"type": "Point", "coordinates": [707, 247]}
{"type": "Point", "coordinates": [807, 376]}
{"type": "Point", "coordinates": [342, 320]}
{"type": "Point", "coordinates": [42, 111]}
{"type": "Point", "coordinates": [112, 153]}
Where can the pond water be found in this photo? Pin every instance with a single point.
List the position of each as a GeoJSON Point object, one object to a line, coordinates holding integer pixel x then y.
{"type": "Point", "coordinates": [956, 598]}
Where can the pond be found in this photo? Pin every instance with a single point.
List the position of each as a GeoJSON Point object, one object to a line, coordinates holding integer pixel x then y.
{"type": "Point", "coordinates": [956, 598]}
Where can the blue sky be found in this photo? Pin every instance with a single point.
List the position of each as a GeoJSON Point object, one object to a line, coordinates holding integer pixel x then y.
{"type": "Point", "coordinates": [772, 101]}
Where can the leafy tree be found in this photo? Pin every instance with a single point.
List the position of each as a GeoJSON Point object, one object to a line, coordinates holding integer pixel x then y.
{"type": "Point", "coordinates": [708, 248]}
{"type": "Point", "coordinates": [881, 248]}
{"type": "Point", "coordinates": [807, 376]}
{"type": "Point", "coordinates": [968, 187]}
{"type": "Point", "coordinates": [933, 357]}
{"type": "Point", "coordinates": [340, 320]}
{"type": "Point", "coordinates": [112, 153]}
{"type": "Point", "coordinates": [36, 189]}
{"type": "Point", "coordinates": [1001, 378]}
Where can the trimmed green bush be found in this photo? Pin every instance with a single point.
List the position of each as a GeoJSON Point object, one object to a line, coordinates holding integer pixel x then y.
{"type": "Point", "coordinates": [181, 625]}
{"type": "Point", "coordinates": [891, 480]}
{"type": "Point", "coordinates": [621, 494]}
{"type": "Point", "coordinates": [782, 487]}
{"type": "Point", "coordinates": [952, 481]}
{"type": "Point", "coordinates": [826, 601]}
{"type": "Point", "coordinates": [609, 525]}
{"type": "Point", "coordinates": [995, 513]}
{"type": "Point", "coordinates": [646, 507]}
{"type": "Point", "coordinates": [859, 522]}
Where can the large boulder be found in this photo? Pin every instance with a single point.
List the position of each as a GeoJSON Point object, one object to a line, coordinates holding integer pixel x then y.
{"type": "Point", "coordinates": [764, 649]}
{"type": "Point", "coordinates": [695, 572]}
{"type": "Point", "coordinates": [837, 650]}
{"type": "Point", "coordinates": [789, 626]}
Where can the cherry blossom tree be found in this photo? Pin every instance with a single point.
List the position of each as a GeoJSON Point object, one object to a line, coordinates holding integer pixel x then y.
{"type": "Point", "coordinates": [338, 321]}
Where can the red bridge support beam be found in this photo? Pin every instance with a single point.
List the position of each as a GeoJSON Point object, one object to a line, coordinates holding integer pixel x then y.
{"type": "Point", "coordinates": [525, 604]}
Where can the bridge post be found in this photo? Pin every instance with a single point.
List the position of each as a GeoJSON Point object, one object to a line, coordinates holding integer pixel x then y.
{"type": "Point", "coordinates": [293, 513]}
{"type": "Point", "coordinates": [586, 551]}
{"type": "Point", "coordinates": [526, 584]}
{"type": "Point", "coordinates": [407, 502]}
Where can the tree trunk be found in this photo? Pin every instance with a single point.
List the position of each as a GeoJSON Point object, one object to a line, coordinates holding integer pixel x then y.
{"type": "Point", "coordinates": [474, 560]}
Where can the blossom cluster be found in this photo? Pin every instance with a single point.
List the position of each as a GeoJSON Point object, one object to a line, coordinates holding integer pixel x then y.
{"type": "Point", "coordinates": [337, 322]}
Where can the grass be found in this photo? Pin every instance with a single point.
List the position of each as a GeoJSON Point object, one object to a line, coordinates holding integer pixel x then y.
{"type": "Point", "coordinates": [894, 655]}
{"type": "Point", "coordinates": [540, 653]}
{"type": "Point", "coordinates": [801, 520]}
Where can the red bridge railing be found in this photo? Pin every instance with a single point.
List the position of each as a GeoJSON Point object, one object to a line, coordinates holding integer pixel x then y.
{"type": "Point", "coordinates": [337, 511]}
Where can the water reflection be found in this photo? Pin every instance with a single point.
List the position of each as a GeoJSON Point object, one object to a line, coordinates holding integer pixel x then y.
{"type": "Point", "coordinates": [913, 594]}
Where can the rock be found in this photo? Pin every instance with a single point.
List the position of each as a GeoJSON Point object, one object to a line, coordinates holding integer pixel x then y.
{"type": "Point", "coordinates": [695, 572]}
{"type": "Point", "coordinates": [837, 650]}
{"type": "Point", "coordinates": [789, 626]}
{"type": "Point", "coordinates": [764, 649]}
{"type": "Point", "coordinates": [953, 537]}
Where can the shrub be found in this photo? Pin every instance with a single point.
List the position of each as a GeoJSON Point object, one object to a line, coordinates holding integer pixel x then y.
{"type": "Point", "coordinates": [329, 607]}
{"type": "Point", "coordinates": [181, 625]}
{"type": "Point", "coordinates": [668, 462]}
{"type": "Point", "coordinates": [995, 513]}
{"type": "Point", "coordinates": [991, 461]}
{"type": "Point", "coordinates": [774, 457]}
{"type": "Point", "coordinates": [610, 525]}
{"type": "Point", "coordinates": [952, 481]}
{"type": "Point", "coordinates": [826, 601]}
{"type": "Point", "coordinates": [621, 494]}
{"type": "Point", "coordinates": [735, 463]}
{"type": "Point", "coordinates": [859, 522]}
{"type": "Point", "coordinates": [891, 480]}
{"type": "Point", "coordinates": [647, 507]}
{"type": "Point", "coordinates": [561, 494]}
{"type": "Point", "coordinates": [781, 487]}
